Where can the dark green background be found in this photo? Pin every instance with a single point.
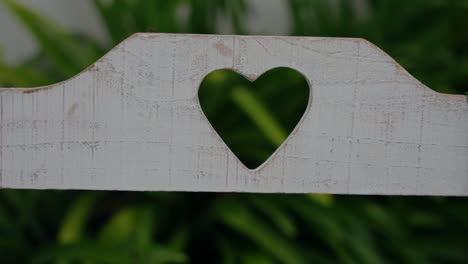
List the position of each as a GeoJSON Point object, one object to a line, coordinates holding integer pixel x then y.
{"type": "Point", "coordinates": [427, 37]}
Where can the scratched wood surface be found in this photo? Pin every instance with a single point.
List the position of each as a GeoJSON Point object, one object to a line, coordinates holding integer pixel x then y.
{"type": "Point", "coordinates": [132, 121]}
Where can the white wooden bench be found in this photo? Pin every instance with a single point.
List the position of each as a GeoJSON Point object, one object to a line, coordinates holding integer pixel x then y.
{"type": "Point", "coordinates": [132, 121]}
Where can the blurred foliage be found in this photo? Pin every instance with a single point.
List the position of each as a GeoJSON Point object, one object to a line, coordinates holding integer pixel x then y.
{"type": "Point", "coordinates": [428, 37]}
{"type": "Point", "coordinates": [255, 126]}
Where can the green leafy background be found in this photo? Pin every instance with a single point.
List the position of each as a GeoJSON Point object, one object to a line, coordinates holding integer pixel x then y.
{"type": "Point", "coordinates": [427, 37]}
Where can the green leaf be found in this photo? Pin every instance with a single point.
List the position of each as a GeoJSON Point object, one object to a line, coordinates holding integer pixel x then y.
{"type": "Point", "coordinates": [324, 199]}
{"type": "Point", "coordinates": [73, 226]}
{"type": "Point", "coordinates": [143, 230]}
{"type": "Point", "coordinates": [240, 219]}
{"type": "Point", "coordinates": [119, 227]}
{"type": "Point", "coordinates": [21, 77]}
{"type": "Point", "coordinates": [69, 56]}
{"type": "Point", "coordinates": [278, 215]}
{"type": "Point", "coordinates": [260, 114]}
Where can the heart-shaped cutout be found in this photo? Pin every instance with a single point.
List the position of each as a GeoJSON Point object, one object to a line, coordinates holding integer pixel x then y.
{"type": "Point", "coordinates": [254, 118]}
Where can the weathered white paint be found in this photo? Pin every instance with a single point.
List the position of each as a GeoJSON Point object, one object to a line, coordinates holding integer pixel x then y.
{"type": "Point", "coordinates": [132, 121]}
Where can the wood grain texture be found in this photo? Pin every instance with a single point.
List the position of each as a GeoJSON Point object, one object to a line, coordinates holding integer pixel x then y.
{"type": "Point", "coordinates": [132, 121]}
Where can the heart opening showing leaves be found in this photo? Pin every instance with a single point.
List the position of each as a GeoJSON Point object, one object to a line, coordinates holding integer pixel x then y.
{"type": "Point", "coordinates": [254, 118]}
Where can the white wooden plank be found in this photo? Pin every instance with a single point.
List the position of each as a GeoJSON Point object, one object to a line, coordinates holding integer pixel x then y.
{"type": "Point", "coordinates": [132, 121]}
